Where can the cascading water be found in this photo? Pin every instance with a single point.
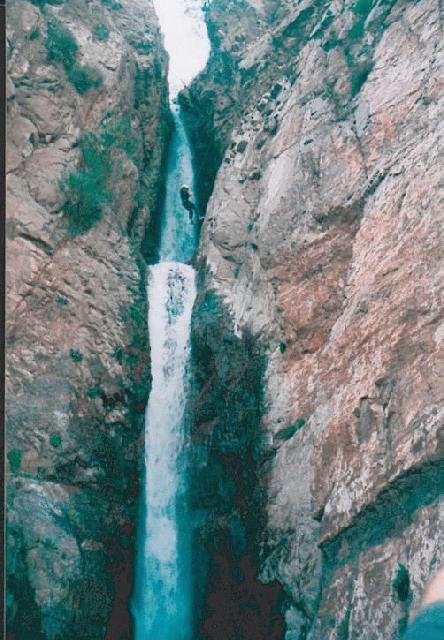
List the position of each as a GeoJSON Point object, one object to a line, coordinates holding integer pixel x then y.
{"type": "Point", "coordinates": [161, 602]}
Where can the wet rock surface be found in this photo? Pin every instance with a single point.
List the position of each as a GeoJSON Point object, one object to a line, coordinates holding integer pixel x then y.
{"type": "Point", "coordinates": [87, 122]}
{"type": "Point", "coordinates": [321, 250]}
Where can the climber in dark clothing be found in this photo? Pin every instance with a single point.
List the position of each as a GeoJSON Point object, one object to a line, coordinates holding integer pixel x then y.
{"type": "Point", "coordinates": [185, 196]}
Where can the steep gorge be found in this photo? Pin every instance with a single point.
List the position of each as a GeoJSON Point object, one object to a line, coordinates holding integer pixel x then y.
{"type": "Point", "coordinates": [317, 332]}
{"type": "Point", "coordinates": [315, 413]}
{"type": "Point", "coordinates": [88, 124]}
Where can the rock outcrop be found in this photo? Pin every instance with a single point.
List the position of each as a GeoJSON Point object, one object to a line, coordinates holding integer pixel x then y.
{"type": "Point", "coordinates": [87, 124]}
{"type": "Point", "coordinates": [318, 330]}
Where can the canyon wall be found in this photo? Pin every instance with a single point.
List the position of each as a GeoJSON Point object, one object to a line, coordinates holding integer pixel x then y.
{"type": "Point", "coordinates": [318, 329]}
{"type": "Point", "coordinates": [88, 122]}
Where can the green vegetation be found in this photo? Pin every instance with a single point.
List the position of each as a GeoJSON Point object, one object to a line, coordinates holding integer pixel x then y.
{"type": "Point", "coordinates": [118, 354]}
{"type": "Point", "coordinates": [15, 460]}
{"type": "Point", "coordinates": [401, 583]}
{"type": "Point", "coordinates": [87, 190]}
{"type": "Point", "coordinates": [288, 432]}
{"type": "Point", "coordinates": [332, 42]}
{"type": "Point", "coordinates": [359, 71]}
{"type": "Point", "coordinates": [55, 440]}
{"type": "Point", "coordinates": [41, 3]}
{"type": "Point", "coordinates": [101, 32]}
{"type": "Point", "coordinates": [111, 4]}
{"type": "Point", "coordinates": [282, 347]}
{"type": "Point", "coordinates": [363, 7]}
{"type": "Point", "coordinates": [401, 586]}
{"type": "Point", "coordinates": [93, 392]}
{"type": "Point", "coordinates": [49, 544]}
{"type": "Point", "coordinates": [62, 49]}
{"type": "Point", "coordinates": [327, 21]}
{"type": "Point", "coordinates": [84, 78]}
{"type": "Point", "coordinates": [142, 46]}
{"type": "Point", "coordinates": [34, 35]}
{"type": "Point", "coordinates": [118, 133]}
{"type": "Point", "coordinates": [62, 301]}
{"type": "Point", "coordinates": [344, 627]}
{"type": "Point", "coordinates": [359, 77]}
{"type": "Point", "coordinates": [61, 46]}
{"type": "Point", "coordinates": [75, 355]}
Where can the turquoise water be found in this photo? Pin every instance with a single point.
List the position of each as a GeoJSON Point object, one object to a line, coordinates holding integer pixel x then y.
{"type": "Point", "coordinates": [162, 598]}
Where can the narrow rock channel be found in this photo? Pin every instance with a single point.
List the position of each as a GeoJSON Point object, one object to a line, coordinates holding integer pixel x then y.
{"type": "Point", "coordinates": [224, 332]}
{"type": "Point", "coordinates": [162, 600]}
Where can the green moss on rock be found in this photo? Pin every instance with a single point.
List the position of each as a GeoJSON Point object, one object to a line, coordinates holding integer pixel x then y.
{"type": "Point", "coordinates": [15, 460]}
{"type": "Point", "coordinates": [75, 355]}
{"type": "Point", "coordinates": [55, 440]}
{"type": "Point", "coordinates": [288, 432]}
{"type": "Point", "coordinates": [62, 48]}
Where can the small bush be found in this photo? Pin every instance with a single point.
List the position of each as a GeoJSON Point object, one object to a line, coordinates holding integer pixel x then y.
{"type": "Point", "coordinates": [15, 460]}
{"type": "Point", "coordinates": [118, 354]}
{"type": "Point", "coordinates": [101, 32]}
{"type": "Point", "coordinates": [363, 7]}
{"type": "Point", "coordinates": [75, 355]}
{"type": "Point", "coordinates": [84, 78]}
{"type": "Point", "coordinates": [93, 392]}
{"type": "Point", "coordinates": [401, 583]}
{"type": "Point", "coordinates": [62, 49]}
{"type": "Point", "coordinates": [61, 46]}
{"type": "Point", "coordinates": [142, 46]}
{"type": "Point", "coordinates": [118, 134]}
{"type": "Point", "coordinates": [34, 35]}
{"type": "Point", "coordinates": [49, 544]}
{"type": "Point", "coordinates": [356, 32]}
{"type": "Point", "coordinates": [41, 3]}
{"type": "Point", "coordinates": [344, 627]}
{"type": "Point", "coordinates": [86, 189]}
{"type": "Point", "coordinates": [289, 432]}
{"type": "Point", "coordinates": [111, 4]}
{"type": "Point", "coordinates": [359, 76]}
{"type": "Point", "coordinates": [55, 440]}
{"type": "Point", "coordinates": [62, 301]}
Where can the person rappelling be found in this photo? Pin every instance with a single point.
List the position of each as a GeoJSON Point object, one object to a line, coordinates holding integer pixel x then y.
{"type": "Point", "coordinates": [188, 204]}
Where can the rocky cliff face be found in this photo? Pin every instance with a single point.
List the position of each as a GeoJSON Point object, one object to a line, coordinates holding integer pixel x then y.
{"type": "Point", "coordinates": [87, 123]}
{"type": "Point", "coordinates": [318, 329]}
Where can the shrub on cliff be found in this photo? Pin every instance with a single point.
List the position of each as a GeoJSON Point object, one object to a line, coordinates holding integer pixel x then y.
{"type": "Point", "coordinates": [112, 4]}
{"type": "Point", "coordinates": [15, 460]}
{"type": "Point", "coordinates": [101, 32]}
{"type": "Point", "coordinates": [85, 190]}
{"type": "Point", "coordinates": [41, 3]}
{"type": "Point", "coordinates": [84, 78]}
{"type": "Point", "coordinates": [118, 133]}
{"type": "Point", "coordinates": [288, 432]}
{"type": "Point", "coordinates": [61, 46]}
{"type": "Point", "coordinates": [62, 49]}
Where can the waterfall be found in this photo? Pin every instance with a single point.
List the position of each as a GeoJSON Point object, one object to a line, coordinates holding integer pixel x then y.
{"type": "Point", "coordinates": [161, 602]}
